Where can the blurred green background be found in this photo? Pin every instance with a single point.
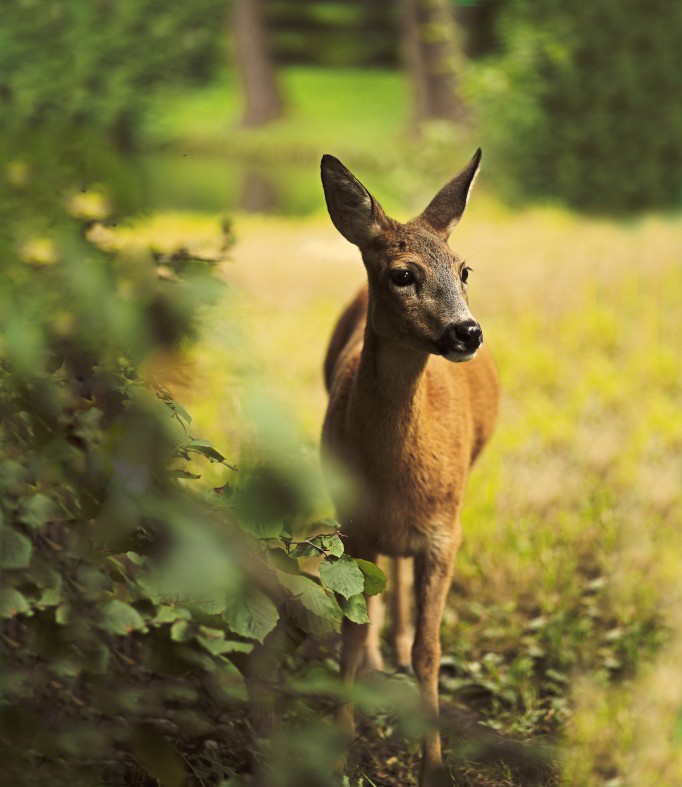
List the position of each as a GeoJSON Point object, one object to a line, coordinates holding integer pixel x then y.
{"type": "Point", "coordinates": [162, 219]}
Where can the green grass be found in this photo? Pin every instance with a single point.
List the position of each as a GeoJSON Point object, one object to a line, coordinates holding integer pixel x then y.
{"type": "Point", "coordinates": [325, 108]}
{"type": "Point", "coordinates": [362, 117]}
{"type": "Point", "coordinates": [564, 612]}
{"type": "Point", "coordinates": [564, 615]}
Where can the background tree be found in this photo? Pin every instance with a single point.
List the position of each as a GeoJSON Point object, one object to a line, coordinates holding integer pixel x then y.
{"type": "Point", "coordinates": [94, 64]}
{"type": "Point", "coordinates": [431, 52]}
{"type": "Point", "coordinates": [582, 104]}
{"type": "Point", "coordinates": [262, 98]}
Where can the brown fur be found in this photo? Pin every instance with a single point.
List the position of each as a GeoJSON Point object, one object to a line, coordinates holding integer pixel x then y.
{"type": "Point", "coordinates": [404, 421]}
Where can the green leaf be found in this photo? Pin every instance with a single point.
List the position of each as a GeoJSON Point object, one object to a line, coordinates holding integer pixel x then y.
{"type": "Point", "coordinates": [261, 528]}
{"type": "Point", "coordinates": [311, 595]}
{"type": "Point", "coordinates": [180, 473]}
{"type": "Point", "coordinates": [64, 614]}
{"type": "Point", "coordinates": [213, 640]}
{"type": "Point", "coordinates": [159, 758]}
{"type": "Point", "coordinates": [168, 614]}
{"type": "Point", "coordinates": [50, 597]}
{"type": "Point", "coordinates": [251, 614]}
{"type": "Point", "coordinates": [182, 631]}
{"type": "Point", "coordinates": [15, 549]}
{"type": "Point", "coordinates": [278, 558]}
{"type": "Point", "coordinates": [204, 448]}
{"type": "Point", "coordinates": [37, 510]}
{"type": "Point", "coordinates": [180, 410]}
{"type": "Point", "coordinates": [375, 579]}
{"type": "Point", "coordinates": [355, 609]}
{"type": "Point", "coordinates": [120, 618]}
{"type": "Point", "coordinates": [313, 548]}
{"type": "Point", "coordinates": [12, 603]}
{"type": "Point", "coordinates": [342, 575]}
{"type": "Point", "coordinates": [332, 544]}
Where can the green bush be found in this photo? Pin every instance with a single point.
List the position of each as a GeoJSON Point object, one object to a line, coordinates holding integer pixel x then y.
{"type": "Point", "coordinates": [73, 63]}
{"type": "Point", "coordinates": [134, 611]}
{"type": "Point", "coordinates": [582, 104]}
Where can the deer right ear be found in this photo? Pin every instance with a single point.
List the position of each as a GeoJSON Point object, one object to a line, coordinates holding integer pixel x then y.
{"type": "Point", "coordinates": [355, 213]}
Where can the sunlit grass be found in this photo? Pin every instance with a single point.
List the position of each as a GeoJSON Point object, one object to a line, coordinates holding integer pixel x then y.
{"type": "Point", "coordinates": [568, 584]}
{"type": "Point", "coordinates": [323, 107]}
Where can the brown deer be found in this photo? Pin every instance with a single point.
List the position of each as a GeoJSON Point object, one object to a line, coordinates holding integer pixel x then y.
{"type": "Point", "coordinates": [406, 416]}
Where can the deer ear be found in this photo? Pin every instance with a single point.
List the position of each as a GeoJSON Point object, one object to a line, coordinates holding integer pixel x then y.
{"type": "Point", "coordinates": [446, 208]}
{"type": "Point", "coordinates": [355, 213]}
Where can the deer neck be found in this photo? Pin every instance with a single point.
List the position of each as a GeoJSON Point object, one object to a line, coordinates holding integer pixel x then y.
{"type": "Point", "coordinates": [391, 380]}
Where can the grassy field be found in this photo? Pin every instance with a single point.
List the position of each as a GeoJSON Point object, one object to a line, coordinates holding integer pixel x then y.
{"type": "Point", "coordinates": [563, 622]}
{"type": "Point", "coordinates": [564, 617]}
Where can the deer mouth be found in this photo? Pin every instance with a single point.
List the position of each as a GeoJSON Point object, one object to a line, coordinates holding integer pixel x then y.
{"type": "Point", "coordinates": [458, 356]}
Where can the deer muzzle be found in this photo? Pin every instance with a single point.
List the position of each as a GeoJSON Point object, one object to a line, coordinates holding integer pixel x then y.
{"type": "Point", "coordinates": [460, 341]}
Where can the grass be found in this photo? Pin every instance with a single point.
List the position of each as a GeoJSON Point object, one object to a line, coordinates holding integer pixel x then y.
{"type": "Point", "coordinates": [315, 118]}
{"type": "Point", "coordinates": [362, 118]}
{"type": "Point", "coordinates": [564, 617]}
{"type": "Point", "coordinates": [564, 612]}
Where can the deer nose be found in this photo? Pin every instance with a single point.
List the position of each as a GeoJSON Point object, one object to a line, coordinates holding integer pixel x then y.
{"type": "Point", "coordinates": [470, 334]}
{"type": "Point", "coordinates": [460, 338]}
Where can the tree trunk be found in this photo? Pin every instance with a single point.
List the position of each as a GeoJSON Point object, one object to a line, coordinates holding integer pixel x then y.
{"type": "Point", "coordinates": [262, 100]}
{"type": "Point", "coordinates": [432, 52]}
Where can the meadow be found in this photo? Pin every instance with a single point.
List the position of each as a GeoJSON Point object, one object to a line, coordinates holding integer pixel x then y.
{"type": "Point", "coordinates": [564, 616]}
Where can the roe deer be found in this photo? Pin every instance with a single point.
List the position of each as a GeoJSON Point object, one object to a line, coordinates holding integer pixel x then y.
{"type": "Point", "coordinates": [405, 417]}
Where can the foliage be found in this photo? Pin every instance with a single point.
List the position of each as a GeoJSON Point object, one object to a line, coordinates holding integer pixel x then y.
{"type": "Point", "coordinates": [334, 32]}
{"type": "Point", "coordinates": [580, 106]}
{"type": "Point", "coordinates": [133, 610]}
{"type": "Point", "coordinates": [93, 62]}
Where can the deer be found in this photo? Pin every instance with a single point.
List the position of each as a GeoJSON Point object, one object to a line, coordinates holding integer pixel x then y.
{"type": "Point", "coordinates": [413, 398]}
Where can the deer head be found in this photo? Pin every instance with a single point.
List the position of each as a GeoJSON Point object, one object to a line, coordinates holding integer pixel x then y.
{"type": "Point", "coordinates": [417, 285]}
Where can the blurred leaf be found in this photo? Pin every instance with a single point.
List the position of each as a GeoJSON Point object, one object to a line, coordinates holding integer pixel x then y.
{"type": "Point", "coordinates": [342, 575]}
{"type": "Point", "coordinates": [182, 631]}
{"type": "Point", "coordinates": [168, 614]}
{"type": "Point", "coordinates": [37, 510]}
{"type": "Point", "coordinates": [180, 473]}
{"type": "Point", "coordinates": [119, 618]}
{"type": "Point", "coordinates": [375, 579]}
{"type": "Point", "coordinates": [250, 613]}
{"type": "Point", "coordinates": [213, 640]}
{"type": "Point", "coordinates": [12, 603]}
{"type": "Point", "coordinates": [159, 757]}
{"type": "Point", "coordinates": [311, 595]}
{"type": "Point", "coordinates": [15, 549]}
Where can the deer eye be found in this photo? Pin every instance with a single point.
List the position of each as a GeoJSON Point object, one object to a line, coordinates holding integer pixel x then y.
{"type": "Point", "coordinates": [464, 275]}
{"type": "Point", "coordinates": [402, 277]}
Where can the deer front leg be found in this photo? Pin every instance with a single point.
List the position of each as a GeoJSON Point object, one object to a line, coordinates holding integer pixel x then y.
{"type": "Point", "coordinates": [402, 632]}
{"type": "Point", "coordinates": [353, 643]}
{"type": "Point", "coordinates": [373, 660]}
{"type": "Point", "coordinates": [431, 582]}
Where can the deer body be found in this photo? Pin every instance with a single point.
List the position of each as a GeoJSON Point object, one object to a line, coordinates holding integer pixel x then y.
{"type": "Point", "coordinates": [413, 399]}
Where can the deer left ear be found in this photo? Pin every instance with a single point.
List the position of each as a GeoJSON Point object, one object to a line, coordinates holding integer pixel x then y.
{"type": "Point", "coordinates": [446, 208]}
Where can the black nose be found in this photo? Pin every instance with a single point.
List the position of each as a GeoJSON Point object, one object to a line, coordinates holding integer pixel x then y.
{"type": "Point", "coordinates": [460, 337]}
{"type": "Point", "coordinates": [470, 334]}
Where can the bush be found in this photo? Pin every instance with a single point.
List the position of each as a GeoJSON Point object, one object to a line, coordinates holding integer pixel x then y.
{"type": "Point", "coordinates": [133, 611]}
{"type": "Point", "coordinates": [92, 63]}
{"type": "Point", "coordinates": [582, 106]}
